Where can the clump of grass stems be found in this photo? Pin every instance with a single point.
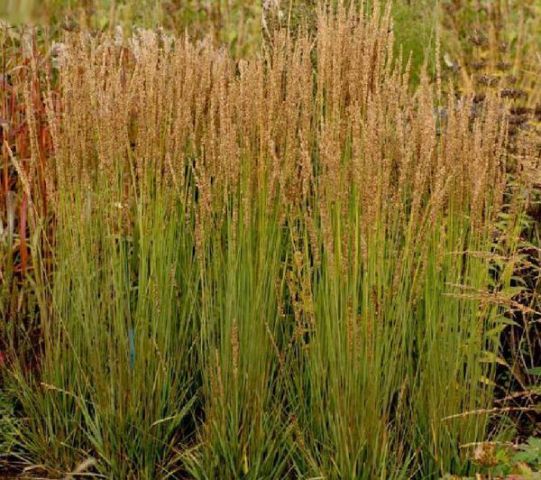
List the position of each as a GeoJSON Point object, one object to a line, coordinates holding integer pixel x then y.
{"type": "Point", "coordinates": [274, 267]}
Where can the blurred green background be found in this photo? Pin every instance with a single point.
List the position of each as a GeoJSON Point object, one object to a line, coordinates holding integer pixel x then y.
{"type": "Point", "coordinates": [236, 23]}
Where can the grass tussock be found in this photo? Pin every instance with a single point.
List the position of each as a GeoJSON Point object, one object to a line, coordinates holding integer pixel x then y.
{"type": "Point", "coordinates": [292, 266]}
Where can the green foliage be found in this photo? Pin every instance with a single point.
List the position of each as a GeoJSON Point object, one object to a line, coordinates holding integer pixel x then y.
{"type": "Point", "coordinates": [530, 453]}
{"type": "Point", "coordinates": [119, 338]}
{"type": "Point", "coordinates": [235, 23]}
{"type": "Point", "coordinates": [506, 460]}
{"type": "Point", "coordinates": [416, 26]}
{"type": "Point", "coordinates": [8, 425]}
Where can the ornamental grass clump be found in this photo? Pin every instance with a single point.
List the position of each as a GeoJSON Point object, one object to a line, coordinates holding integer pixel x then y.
{"type": "Point", "coordinates": [269, 268]}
